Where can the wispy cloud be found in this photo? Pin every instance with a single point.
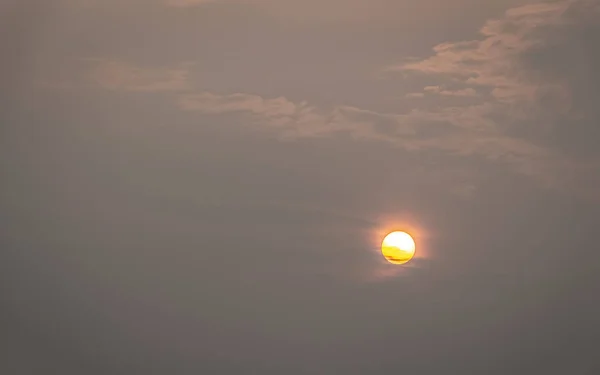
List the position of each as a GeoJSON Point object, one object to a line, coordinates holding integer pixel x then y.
{"type": "Point", "coordinates": [440, 90]}
{"type": "Point", "coordinates": [297, 119]}
{"type": "Point", "coordinates": [213, 103]}
{"type": "Point", "coordinates": [119, 75]}
{"type": "Point", "coordinates": [489, 101]}
{"type": "Point", "coordinates": [521, 102]}
{"type": "Point", "coordinates": [493, 63]}
{"type": "Point", "coordinates": [289, 118]}
{"type": "Point", "coordinates": [416, 130]}
{"type": "Point", "coordinates": [188, 3]}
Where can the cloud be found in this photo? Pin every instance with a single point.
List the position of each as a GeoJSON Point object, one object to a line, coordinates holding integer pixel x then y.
{"type": "Point", "coordinates": [496, 63]}
{"type": "Point", "coordinates": [439, 90]}
{"type": "Point", "coordinates": [533, 75]}
{"type": "Point", "coordinates": [415, 95]}
{"type": "Point", "coordinates": [413, 130]}
{"type": "Point", "coordinates": [291, 119]}
{"type": "Point", "coordinates": [118, 75]}
{"type": "Point", "coordinates": [510, 109]}
{"type": "Point", "coordinates": [188, 3]}
{"type": "Point", "coordinates": [493, 62]}
{"type": "Point", "coordinates": [309, 11]}
{"type": "Point", "coordinates": [416, 130]}
{"type": "Point", "coordinates": [501, 97]}
{"type": "Point", "coordinates": [295, 120]}
{"type": "Point", "coordinates": [214, 103]}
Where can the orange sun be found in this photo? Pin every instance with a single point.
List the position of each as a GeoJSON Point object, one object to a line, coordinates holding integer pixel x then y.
{"type": "Point", "coordinates": [398, 247]}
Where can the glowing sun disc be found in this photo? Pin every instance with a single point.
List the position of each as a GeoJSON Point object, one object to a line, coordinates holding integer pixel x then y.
{"type": "Point", "coordinates": [398, 247]}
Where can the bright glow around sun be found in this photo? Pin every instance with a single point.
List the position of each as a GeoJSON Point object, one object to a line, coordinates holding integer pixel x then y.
{"type": "Point", "coordinates": [398, 247]}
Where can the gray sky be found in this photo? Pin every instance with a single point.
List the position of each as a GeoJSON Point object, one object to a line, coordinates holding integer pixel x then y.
{"type": "Point", "coordinates": [197, 186]}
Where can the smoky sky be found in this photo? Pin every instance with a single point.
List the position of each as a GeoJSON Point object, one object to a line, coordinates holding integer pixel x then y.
{"type": "Point", "coordinates": [193, 187]}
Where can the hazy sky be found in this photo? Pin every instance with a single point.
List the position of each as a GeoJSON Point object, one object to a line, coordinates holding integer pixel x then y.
{"type": "Point", "coordinates": [201, 187]}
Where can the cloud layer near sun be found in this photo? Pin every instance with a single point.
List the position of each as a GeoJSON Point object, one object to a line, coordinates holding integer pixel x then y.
{"type": "Point", "coordinates": [507, 96]}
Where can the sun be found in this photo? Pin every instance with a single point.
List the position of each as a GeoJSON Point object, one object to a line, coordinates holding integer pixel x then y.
{"type": "Point", "coordinates": [398, 247]}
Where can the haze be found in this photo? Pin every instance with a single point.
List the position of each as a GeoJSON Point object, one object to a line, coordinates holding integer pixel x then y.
{"type": "Point", "coordinates": [195, 187]}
